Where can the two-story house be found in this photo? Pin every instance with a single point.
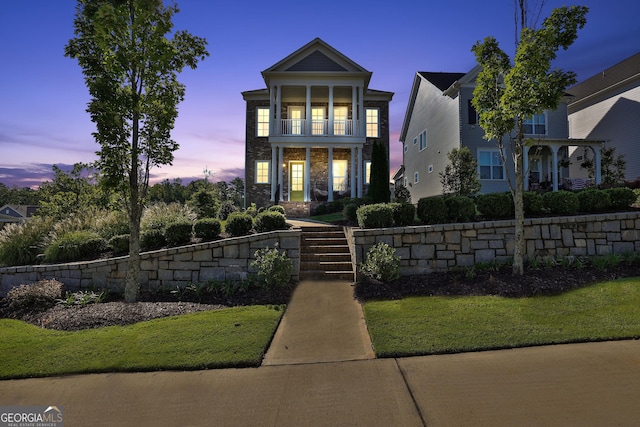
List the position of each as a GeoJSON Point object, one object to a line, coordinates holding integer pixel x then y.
{"type": "Point", "coordinates": [441, 117]}
{"type": "Point", "coordinates": [607, 106]}
{"type": "Point", "coordinates": [310, 132]}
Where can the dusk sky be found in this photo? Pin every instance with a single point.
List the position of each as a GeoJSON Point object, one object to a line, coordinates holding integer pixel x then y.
{"type": "Point", "coordinates": [43, 95]}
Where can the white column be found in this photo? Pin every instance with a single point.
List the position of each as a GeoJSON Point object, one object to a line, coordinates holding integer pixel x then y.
{"type": "Point", "coordinates": [274, 168]}
{"type": "Point", "coordinates": [330, 110]}
{"type": "Point", "coordinates": [307, 175]}
{"type": "Point", "coordinates": [308, 125]}
{"type": "Point", "coordinates": [279, 166]}
{"type": "Point", "coordinates": [359, 168]}
{"type": "Point", "coordinates": [273, 99]}
{"type": "Point", "coordinates": [362, 119]}
{"type": "Point", "coordinates": [554, 151]}
{"type": "Point", "coordinates": [278, 127]}
{"type": "Point", "coordinates": [352, 170]}
{"type": "Point", "coordinates": [525, 162]}
{"type": "Point", "coordinates": [597, 159]}
{"type": "Point", "coordinates": [330, 175]}
{"type": "Point", "coordinates": [354, 110]}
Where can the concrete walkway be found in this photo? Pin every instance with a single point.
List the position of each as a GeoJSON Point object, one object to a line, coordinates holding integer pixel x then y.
{"type": "Point", "coordinates": [319, 382]}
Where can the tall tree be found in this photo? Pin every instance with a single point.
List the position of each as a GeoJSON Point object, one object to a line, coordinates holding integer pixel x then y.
{"type": "Point", "coordinates": [506, 95]}
{"type": "Point", "coordinates": [379, 178]}
{"type": "Point", "coordinates": [130, 68]}
{"type": "Point", "coordinates": [460, 177]}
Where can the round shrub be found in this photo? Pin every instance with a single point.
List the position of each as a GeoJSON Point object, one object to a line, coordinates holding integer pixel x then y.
{"type": "Point", "coordinates": [239, 224]}
{"type": "Point", "coordinates": [350, 212]}
{"type": "Point", "coordinates": [561, 202]}
{"type": "Point", "coordinates": [432, 210]}
{"type": "Point", "coordinates": [36, 296]}
{"type": "Point", "coordinates": [226, 209]}
{"type": "Point", "coordinates": [277, 208]}
{"type": "Point", "coordinates": [621, 197]}
{"type": "Point", "coordinates": [593, 200]}
{"type": "Point", "coordinates": [207, 228]}
{"type": "Point", "coordinates": [532, 202]}
{"type": "Point", "coordinates": [379, 215]}
{"type": "Point", "coordinates": [403, 214]}
{"type": "Point", "coordinates": [274, 267]}
{"type": "Point", "coordinates": [152, 239]}
{"type": "Point", "coordinates": [178, 233]}
{"type": "Point", "coordinates": [460, 208]}
{"type": "Point", "coordinates": [381, 263]}
{"type": "Point", "coordinates": [269, 221]}
{"type": "Point", "coordinates": [120, 244]}
{"type": "Point", "coordinates": [74, 246]}
{"type": "Point", "coordinates": [495, 205]}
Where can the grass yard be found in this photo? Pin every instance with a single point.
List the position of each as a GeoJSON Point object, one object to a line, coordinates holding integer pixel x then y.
{"type": "Point", "coordinates": [434, 325]}
{"type": "Point", "coordinates": [230, 337]}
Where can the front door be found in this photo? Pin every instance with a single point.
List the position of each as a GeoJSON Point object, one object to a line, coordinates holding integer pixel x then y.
{"type": "Point", "coordinates": [296, 187]}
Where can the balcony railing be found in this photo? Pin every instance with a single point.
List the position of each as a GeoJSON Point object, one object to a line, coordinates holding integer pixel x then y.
{"type": "Point", "coordinates": [301, 127]}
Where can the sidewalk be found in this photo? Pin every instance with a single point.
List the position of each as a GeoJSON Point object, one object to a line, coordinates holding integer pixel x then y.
{"type": "Point", "coordinates": [593, 384]}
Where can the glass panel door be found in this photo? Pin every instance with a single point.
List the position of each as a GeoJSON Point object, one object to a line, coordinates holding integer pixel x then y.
{"type": "Point", "coordinates": [296, 184]}
{"type": "Point", "coordinates": [340, 115]}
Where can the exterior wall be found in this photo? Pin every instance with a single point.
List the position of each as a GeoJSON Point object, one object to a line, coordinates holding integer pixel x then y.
{"type": "Point", "coordinates": [256, 148]}
{"type": "Point", "coordinates": [426, 249]}
{"type": "Point", "coordinates": [439, 115]}
{"type": "Point", "coordinates": [613, 117]}
{"type": "Point", "coordinates": [227, 259]}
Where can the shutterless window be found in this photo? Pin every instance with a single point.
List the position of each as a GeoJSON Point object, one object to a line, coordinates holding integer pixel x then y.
{"type": "Point", "coordinates": [423, 140]}
{"type": "Point", "coordinates": [262, 126]}
{"type": "Point", "coordinates": [416, 178]}
{"type": "Point", "coordinates": [490, 165]}
{"type": "Point", "coordinates": [536, 125]}
{"type": "Point", "coordinates": [367, 172]}
{"type": "Point", "coordinates": [473, 114]}
{"type": "Point", "coordinates": [262, 172]}
{"type": "Point", "coordinates": [373, 122]}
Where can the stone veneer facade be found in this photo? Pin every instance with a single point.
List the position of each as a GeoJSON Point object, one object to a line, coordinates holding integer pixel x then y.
{"type": "Point", "coordinates": [426, 249]}
{"type": "Point", "coordinates": [226, 259]}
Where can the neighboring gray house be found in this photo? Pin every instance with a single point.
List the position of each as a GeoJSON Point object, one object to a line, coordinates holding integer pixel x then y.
{"type": "Point", "coordinates": [16, 213]}
{"type": "Point", "coordinates": [607, 106]}
{"type": "Point", "coordinates": [440, 117]}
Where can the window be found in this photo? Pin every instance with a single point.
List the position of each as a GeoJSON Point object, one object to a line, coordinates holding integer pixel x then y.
{"type": "Point", "coordinates": [430, 168]}
{"type": "Point", "coordinates": [415, 141]}
{"type": "Point", "coordinates": [340, 115]}
{"type": "Point", "coordinates": [406, 181]}
{"type": "Point", "coordinates": [262, 172]}
{"type": "Point", "coordinates": [317, 121]}
{"type": "Point", "coordinates": [406, 147]}
{"type": "Point", "coordinates": [416, 178]}
{"type": "Point", "coordinates": [262, 127]}
{"type": "Point", "coordinates": [536, 125]}
{"type": "Point", "coordinates": [423, 140]}
{"type": "Point", "coordinates": [367, 172]}
{"type": "Point", "coordinates": [373, 122]}
{"type": "Point", "coordinates": [340, 175]}
{"type": "Point", "coordinates": [472, 113]}
{"type": "Point", "coordinates": [535, 170]}
{"type": "Point", "coordinates": [490, 165]}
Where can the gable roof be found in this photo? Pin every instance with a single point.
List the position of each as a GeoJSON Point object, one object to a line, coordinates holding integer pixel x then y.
{"type": "Point", "coordinates": [607, 79]}
{"type": "Point", "coordinates": [441, 80]}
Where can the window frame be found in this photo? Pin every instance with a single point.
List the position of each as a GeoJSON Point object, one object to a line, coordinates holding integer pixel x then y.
{"type": "Point", "coordinates": [416, 177]}
{"type": "Point", "coordinates": [491, 165]}
{"type": "Point", "coordinates": [367, 171]}
{"type": "Point", "coordinates": [258, 174]}
{"type": "Point", "coordinates": [531, 121]}
{"type": "Point", "coordinates": [423, 140]}
{"type": "Point", "coordinates": [260, 124]}
{"type": "Point", "coordinates": [369, 126]}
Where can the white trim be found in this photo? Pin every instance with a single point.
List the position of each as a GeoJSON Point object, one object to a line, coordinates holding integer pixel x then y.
{"type": "Point", "coordinates": [491, 166]}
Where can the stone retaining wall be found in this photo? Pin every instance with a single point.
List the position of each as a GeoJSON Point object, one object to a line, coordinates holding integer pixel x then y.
{"type": "Point", "coordinates": [425, 249]}
{"type": "Point", "coordinates": [227, 259]}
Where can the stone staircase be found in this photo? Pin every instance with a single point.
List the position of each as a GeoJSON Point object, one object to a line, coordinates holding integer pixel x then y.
{"type": "Point", "coordinates": [324, 254]}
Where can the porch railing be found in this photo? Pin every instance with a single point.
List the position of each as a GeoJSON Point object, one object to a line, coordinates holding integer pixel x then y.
{"type": "Point", "coordinates": [297, 127]}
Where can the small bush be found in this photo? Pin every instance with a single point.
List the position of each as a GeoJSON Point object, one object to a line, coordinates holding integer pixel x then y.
{"type": "Point", "coordinates": [152, 239]}
{"type": "Point", "coordinates": [83, 298]}
{"type": "Point", "coordinates": [277, 208]}
{"type": "Point", "coordinates": [269, 221]}
{"type": "Point", "coordinates": [350, 212]}
{"type": "Point", "coordinates": [403, 214]}
{"type": "Point", "coordinates": [274, 267]}
{"type": "Point", "coordinates": [533, 204]}
{"type": "Point", "coordinates": [460, 208]}
{"type": "Point", "coordinates": [20, 244]}
{"type": "Point", "coordinates": [621, 197]}
{"type": "Point", "coordinates": [239, 224]}
{"type": "Point", "coordinates": [37, 296]}
{"type": "Point", "coordinates": [495, 205]}
{"type": "Point", "coordinates": [381, 263]}
{"type": "Point", "coordinates": [74, 246]}
{"type": "Point", "coordinates": [178, 233]}
{"type": "Point", "coordinates": [120, 244]}
{"type": "Point", "coordinates": [252, 210]}
{"type": "Point", "coordinates": [207, 228]}
{"type": "Point", "coordinates": [593, 200]}
{"type": "Point", "coordinates": [401, 194]}
{"type": "Point", "coordinates": [432, 210]}
{"type": "Point", "coordinates": [561, 202]}
{"type": "Point", "coordinates": [226, 209]}
{"type": "Point", "coordinates": [379, 215]}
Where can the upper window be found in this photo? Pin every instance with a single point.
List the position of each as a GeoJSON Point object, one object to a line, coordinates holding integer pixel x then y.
{"type": "Point", "coordinates": [373, 122]}
{"type": "Point", "coordinates": [262, 125]}
{"type": "Point", "coordinates": [262, 172]}
{"type": "Point", "coordinates": [490, 165]}
{"type": "Point", "coordinates": [473, 114]}
{"type": "Point", "coordinates": [317, 121]}
{"type": "Point", "coordinates": [340, 115]}
{"type": "Point", "coordinates": [423, 140]}
{"type": "Point", "coordinates": [536, 125]}
{"type": "Point", "coordinates": [416, 178]}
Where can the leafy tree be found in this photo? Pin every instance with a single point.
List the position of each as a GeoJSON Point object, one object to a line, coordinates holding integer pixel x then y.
{"type": "Point", "coordinates": [506, 95]}
{"type": "Point", "coordinates": [460, 177]}
{"type": "Point", "coordinates": [379, 179]}
{"type": "Point", "coordinates": [204, 203]}
{"type": "Point", "coordinates": [613, 167]}
{"type": "Point", "coordinates": [167, 191]}
{"type": "Point", "coordinates": [236, 192]}
{"type": "Point", "coordinates": [130, 69]}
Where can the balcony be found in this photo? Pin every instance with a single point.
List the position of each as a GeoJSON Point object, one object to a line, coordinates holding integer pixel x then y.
{"type": "Point", "coordinates": [315, 127]}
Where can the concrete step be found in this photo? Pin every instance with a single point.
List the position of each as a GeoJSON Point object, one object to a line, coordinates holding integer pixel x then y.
{"type": "Point", "coordinates": [326, 257]}
{"type": "Point", "coordinates": [346, 266]}
{"type": "Point", "coordinates": [325, 254]}
{"type": "Point", "coordinates": [327, 275]}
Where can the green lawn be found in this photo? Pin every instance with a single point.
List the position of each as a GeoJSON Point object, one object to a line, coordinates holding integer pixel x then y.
{"type": "Point", "coordinates": [336, 216]}
{"type": "Point", "coordinates": [209, 339]}
{"type": "Point", "coordinates": [433, 325]}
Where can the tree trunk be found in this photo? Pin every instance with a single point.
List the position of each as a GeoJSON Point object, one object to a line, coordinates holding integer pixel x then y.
{"type": "Point", "coordinates": [518, 203]}
{"type": "Point", "coordinates": [133, 266]}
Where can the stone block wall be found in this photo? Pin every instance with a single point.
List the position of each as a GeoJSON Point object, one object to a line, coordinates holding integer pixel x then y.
{"type": "Point", "coordinates": [425, 249]}
{"type": "Point", "coordinates": [227, 259]}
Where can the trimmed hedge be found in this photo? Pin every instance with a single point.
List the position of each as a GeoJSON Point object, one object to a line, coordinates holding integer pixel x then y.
{"type": "Point", "coordinates": [74, 246]}
{"type": "Point", "coordinates": [593, 200]}
{"type": "Point", "coordinates": [533, 204]}
{"type": "Point", "coordinates": [239, 224]}
{"type": "Point", "coordinates": [496, 205]}
{"type": "Point", "coordinates": [460, 208]}
{"type": "Point", "coordinates": [561, 202]}
{"type": "Point", "coordinates": [432, 210]}
{"type": "Point", "coordinates": [270, 220]}
{"type": "Point", "coordinates": [379, 215]}
{"type": "Point", "coordinates": [152, 239]}
{"type": "Point", "coordinates": [277, 208]}
{"type": "Point", "coordinates": [621, 197]}
{"type": "Point", "coordinates": [207, 228]}
{"type": "Point", "coordinates": [403, 214]}
{"type": "Point", "coordinates": [120, 244]}
{"type": "Point", "coordinates": [178, 233]}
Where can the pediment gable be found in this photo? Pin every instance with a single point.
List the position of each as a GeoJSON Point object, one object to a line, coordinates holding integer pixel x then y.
{"type": "Point", "coordinates": [316, 61]}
